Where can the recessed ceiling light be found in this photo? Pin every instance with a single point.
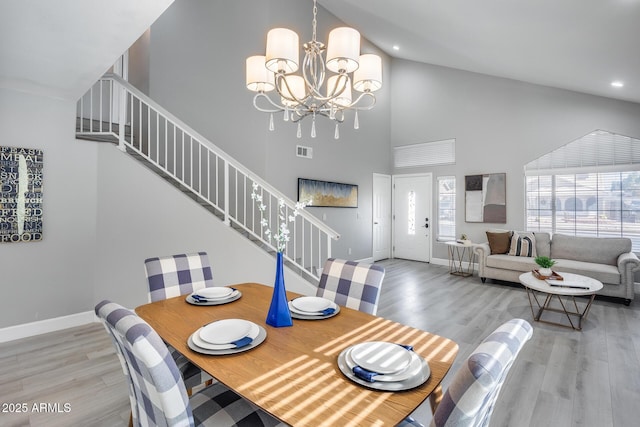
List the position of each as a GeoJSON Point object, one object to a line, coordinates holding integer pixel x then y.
{"type": "Point", "coordinates": [396, 47]}
{"type": "Point", "coordinates": [617, 83]}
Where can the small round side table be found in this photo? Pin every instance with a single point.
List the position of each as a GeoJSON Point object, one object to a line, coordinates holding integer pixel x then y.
{"type": "Point", "coordinates": [461, 258]}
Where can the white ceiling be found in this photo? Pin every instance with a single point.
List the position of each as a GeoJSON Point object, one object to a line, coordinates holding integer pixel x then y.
{"type": "Point", "coordinates": [580, 45]}
{"type": "Point", "coordinates": [60, 48]}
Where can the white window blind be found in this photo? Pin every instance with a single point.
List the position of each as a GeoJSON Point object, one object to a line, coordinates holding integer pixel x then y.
{"type": "Point", "coordinates": [599, 151]}
{"type": "Point", "coordinates": [589, 187]}
{"type": "Point", "coordinates": [425, 154]}
{"type": "Point", "coordinates": [446, 208]}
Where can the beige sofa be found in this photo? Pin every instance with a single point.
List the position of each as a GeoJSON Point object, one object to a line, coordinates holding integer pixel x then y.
{"type": "Point", "coordinates": [608, 260]}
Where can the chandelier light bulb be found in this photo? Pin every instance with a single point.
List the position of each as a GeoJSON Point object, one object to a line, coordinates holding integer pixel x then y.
{"type": "Point", "coordinates": [258, 79]}
{"type": "Point", "coordinates": [368, 77]}
{"type": "Point", "coordinates": [282, 51]}
{"type": "Point", "coordinates": [343, 50]}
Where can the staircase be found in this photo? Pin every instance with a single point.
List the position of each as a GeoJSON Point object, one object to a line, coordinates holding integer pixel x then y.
{"type": "Point", "coordinates": [115, 112]}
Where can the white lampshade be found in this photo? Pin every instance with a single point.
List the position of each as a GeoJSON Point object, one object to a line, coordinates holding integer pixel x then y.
{"type": "Point", "coordinates": [282, 50]}
{"type": "Point", "coordinates": [343, 49]}
{"type": "Point", "coordinates": [344, 99]}
{"type": "Point", "coordinates": [259, 79]}
{"type": "Point", "coordinates": [297, 87]}
{"type": "Point", "coordinates": [368, 77]}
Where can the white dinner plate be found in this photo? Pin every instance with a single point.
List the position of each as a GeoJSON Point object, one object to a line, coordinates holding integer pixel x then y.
{"type": "Point", "coordinates": [380, 356]}
{"type": "Point", "coordinates": [303, 315]}
{"type": "Point", "coordinates": [235, 295]}
{"type": "Point", "coordinates": [253, 333]}
{"type": "Point", "coordinates": [413, 369]}
{"type": "Point", "coordinates": [262, 335]}
{"type": "Point", "coordinates": [420, 378]}
{"type": "Point", "coordinates": [225, 331]}
{"type": "Point", "coordinates": [311, 305]}
{"type": "Point", "coordinates": [219, 292]}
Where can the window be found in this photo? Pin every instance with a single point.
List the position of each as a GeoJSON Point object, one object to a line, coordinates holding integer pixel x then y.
{"type": "Point", "coordinates": [426, 154]}
{"type": "Point", "coordinates": [446, 208]}
{"type": "Point", "coordinates": [595, 200]}
{"type": "Point", "coordinates": [411, 213]}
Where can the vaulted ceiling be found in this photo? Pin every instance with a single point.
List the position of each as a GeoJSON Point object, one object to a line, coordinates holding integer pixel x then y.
{"type": "Point", "coordinates": [61, 47]}
{"type": "Point", "coordinates": [580, 45]}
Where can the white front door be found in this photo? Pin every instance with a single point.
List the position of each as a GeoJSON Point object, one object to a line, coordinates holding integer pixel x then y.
{"type": "Point", "coordinates": [412, 217]}
{"type": "Point", "coordinates": [381, 217]}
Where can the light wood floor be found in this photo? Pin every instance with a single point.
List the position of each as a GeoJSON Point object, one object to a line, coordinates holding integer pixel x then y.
{"type": "Point", "coordinates": [562, 377]}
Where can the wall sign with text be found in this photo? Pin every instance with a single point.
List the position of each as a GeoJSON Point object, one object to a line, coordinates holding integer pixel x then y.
{"type": "Point", "coordinates": [20, 194]}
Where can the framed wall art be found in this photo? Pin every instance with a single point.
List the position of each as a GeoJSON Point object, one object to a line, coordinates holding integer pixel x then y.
{"type": "Point", "coordinates": [20, 194]}
{"type": "Point", "coordinates": [486, 198]}
{"type": "Point", "coordinates": [327, 194]}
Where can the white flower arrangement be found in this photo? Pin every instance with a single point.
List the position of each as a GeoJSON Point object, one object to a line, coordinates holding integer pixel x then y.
{"type": "Point", "coordinates": [281, 237]}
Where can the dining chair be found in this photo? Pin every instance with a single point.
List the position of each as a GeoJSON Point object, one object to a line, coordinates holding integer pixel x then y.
{"type": "Point", "coordinates": [470, 399]}
{"type": "Point", "coordinates": [175, 275]}
{"type": "Point", "coordinates": [172, 276]}
{"type": "Point", "coordinates": [156, 390]}
{"type": "Point", "coordinates": [351, 284]}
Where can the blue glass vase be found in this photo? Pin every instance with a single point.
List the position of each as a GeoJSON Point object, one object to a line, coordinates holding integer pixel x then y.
{"type": "Point", "coordinates": [279, 314]}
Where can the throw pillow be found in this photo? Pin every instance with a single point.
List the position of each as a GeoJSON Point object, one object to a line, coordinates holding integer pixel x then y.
{"type": "Point", "coordinates": [523, 244]}
{"type": "Point", "coordinates": [499, 243]}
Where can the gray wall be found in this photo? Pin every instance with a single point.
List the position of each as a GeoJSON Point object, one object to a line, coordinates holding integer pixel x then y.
{"type": "Point", "coordinates": [53, 277]}
{"type": "Point", "coordinates": [499, 126]}
{"type": "Point", "coordinates": [197, 72]}
{"type": "Point", "coordinates": [140, 216]}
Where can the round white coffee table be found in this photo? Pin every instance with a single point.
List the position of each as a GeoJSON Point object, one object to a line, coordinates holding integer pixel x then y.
{"type": "Point", "coordinates": [573, 285]}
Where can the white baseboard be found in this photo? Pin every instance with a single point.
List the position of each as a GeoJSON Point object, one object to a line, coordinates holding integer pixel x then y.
{"type": "Point", "coordinates": [43, 326]}
{"type": "Point", "coordinates": [439, 261]}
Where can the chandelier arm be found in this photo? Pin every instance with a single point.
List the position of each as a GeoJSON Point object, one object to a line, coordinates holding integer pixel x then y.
{"type": "Point", "coordinates": [299, 116]}
{"type": "Point", "coordinates": [354, 106]}
{"type": "Point", "coordinates": [313, 68]}
{"type": "Point", "coordinates": [262, 95]}
{"type": "Point", "coordinates": [318, 96]}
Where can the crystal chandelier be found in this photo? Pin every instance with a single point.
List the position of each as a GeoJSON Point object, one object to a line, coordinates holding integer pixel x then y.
{"type": "Point", "coordinates": [300, 96]}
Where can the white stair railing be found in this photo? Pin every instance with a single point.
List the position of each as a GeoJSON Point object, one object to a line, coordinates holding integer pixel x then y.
{"type": "Point", "coordinates": [113, 109]}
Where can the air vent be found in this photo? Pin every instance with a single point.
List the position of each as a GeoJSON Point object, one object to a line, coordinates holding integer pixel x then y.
{"type": "Point", "coordinates": [306, 152]}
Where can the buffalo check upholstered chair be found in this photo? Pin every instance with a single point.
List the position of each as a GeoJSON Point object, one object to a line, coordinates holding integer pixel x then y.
{"type": "Point", "coordinates": [475, 387]}
{"type": "Point", "coordinates": [172, 276]}
{"type": "Point", "coordinates": [351, 284]}
{"type": "Point", "coordinates": [157, 393]}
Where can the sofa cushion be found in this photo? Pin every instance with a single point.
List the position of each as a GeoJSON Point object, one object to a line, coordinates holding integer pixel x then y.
{"type": "Point", "coordinates": [499, 242]}
{"type": "Point", "coordinates": [523, 244]}
{"type": "Point", "coordinates": [508, 262]}
{"type": "Point", "coordinates": [602, 272]}
{"type": "Point", "coordinates": [599, 250]}
{"type": "Point", "coordinates": [543, 244]}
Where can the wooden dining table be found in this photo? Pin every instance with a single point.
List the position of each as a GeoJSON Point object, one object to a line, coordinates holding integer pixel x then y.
{"type": "Point", "coordinates": [294, 373]}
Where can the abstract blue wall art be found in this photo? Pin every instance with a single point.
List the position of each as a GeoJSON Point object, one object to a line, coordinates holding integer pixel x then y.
{"type": "Point", "coordinates": [327, 194]}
